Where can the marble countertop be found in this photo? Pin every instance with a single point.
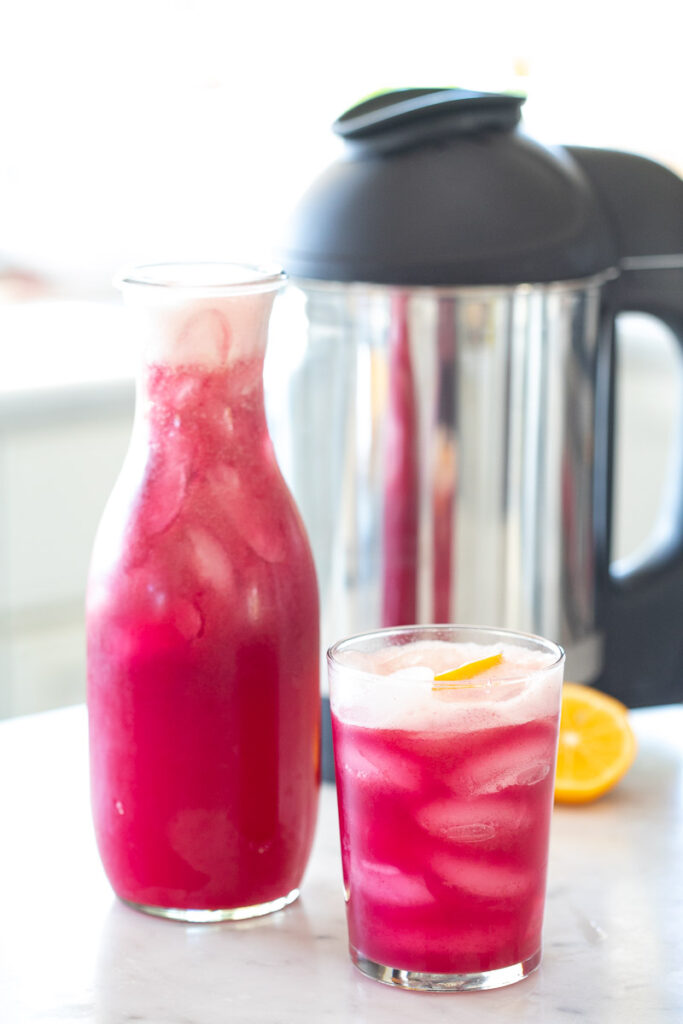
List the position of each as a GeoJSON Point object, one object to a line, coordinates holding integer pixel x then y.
{"type": "Point", "coordinates": [70, 952]}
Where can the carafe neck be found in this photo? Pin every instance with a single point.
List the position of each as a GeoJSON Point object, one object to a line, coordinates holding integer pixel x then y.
{"type": "Point", "coordinates": [201, 330]}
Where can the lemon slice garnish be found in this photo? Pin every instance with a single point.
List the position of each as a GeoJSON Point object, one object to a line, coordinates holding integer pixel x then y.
{"type": "Point", "coordinates": [445, 680]}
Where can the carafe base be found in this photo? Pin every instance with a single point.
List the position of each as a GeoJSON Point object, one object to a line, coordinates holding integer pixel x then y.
{"type": "Point", "coordinates": [191, 916]}
{"type": "Point", "coordinates": [423, 981]}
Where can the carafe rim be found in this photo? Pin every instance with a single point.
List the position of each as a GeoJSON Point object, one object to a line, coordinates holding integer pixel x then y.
{"type": "Point", "coordinates": [211, 278]}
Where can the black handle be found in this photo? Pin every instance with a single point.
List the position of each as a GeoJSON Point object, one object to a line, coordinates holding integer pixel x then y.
{"type": "Point", "coordinates": [640, 605]}
{"type": "Point", "coordinates": [641, 599]}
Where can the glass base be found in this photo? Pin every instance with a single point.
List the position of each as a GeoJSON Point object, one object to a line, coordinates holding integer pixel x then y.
{"type": "Point", "coordinates": [422, 981]}
{"type": "Point", "coordinates": [221, 914]}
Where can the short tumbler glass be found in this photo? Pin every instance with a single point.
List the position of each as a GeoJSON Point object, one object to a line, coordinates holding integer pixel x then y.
{"type": "Point", "coordinates": [445, 792]}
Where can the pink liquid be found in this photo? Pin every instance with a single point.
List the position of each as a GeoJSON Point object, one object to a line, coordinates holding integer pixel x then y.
{"type": "Point", "coordinates": [203, 656]}
{"type": "Point", "coordinates": [444, 842]}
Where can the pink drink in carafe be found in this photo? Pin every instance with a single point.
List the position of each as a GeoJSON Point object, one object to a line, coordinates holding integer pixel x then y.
{"type": "Point", "coordinates": [203, 656]}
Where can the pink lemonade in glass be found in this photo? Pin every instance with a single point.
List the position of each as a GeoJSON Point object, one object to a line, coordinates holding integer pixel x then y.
{"type": "Point", "coordinates": [445, 797]}
{"type": "Point", "coordinates": [203, 656]}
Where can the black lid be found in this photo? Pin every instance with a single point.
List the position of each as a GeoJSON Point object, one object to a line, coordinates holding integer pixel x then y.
{"type": "Point", "coordinates": [439, 187]}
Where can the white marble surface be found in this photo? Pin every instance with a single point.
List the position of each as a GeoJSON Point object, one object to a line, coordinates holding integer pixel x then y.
{"type": "Point", "coordinates": [70, 952]}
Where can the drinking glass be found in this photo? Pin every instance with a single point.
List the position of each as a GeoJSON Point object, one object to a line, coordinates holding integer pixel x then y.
{"type": "Point", "coordinates": [445, 792]}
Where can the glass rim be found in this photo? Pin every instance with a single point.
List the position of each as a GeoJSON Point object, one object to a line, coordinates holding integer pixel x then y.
{"type": "Point", "coordinates": [207, 277]}
{"type": "Point", "coordinates": [551, 646]}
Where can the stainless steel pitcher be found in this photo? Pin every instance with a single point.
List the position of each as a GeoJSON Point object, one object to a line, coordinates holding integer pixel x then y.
{"type": "Point", "coordinates": [447, 427]}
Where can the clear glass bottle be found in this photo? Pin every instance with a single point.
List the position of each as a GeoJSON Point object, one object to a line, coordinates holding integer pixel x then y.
{"type": "Point", "coordinates": [203, 619]}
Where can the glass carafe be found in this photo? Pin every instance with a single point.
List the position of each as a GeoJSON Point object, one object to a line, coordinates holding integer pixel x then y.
{"type": "Point", "coordinates": [202, 619]}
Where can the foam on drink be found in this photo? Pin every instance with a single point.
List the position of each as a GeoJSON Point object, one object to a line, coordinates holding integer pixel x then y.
{"type": "Point", "coordinates": [206, 315]}
{"type": "Point", "coordinates": [391, 687]}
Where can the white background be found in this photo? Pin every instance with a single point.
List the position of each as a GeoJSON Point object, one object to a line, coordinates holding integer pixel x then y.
{"type": "Point", "coordinates": [147, 129]}
{"type": "Point", "coordinates": [143, 130]}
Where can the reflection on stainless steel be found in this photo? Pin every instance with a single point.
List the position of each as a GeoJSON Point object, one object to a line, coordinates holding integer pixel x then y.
{"type": "Point", "coordinates": [400, 484]}
{"type": "Point", "coordinates": [439, 443]}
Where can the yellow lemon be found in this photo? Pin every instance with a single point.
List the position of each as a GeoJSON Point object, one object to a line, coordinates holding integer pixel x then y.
{"type": "Point", "coordinates": [596, 746]}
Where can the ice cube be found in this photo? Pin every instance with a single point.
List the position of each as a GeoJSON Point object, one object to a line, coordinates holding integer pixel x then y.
{"type": "Point", "coordinates": [461, 820]}
{"type": "Point", "coordinates": [477, 877]}
{"type": "Point", "coordinates": [204, 338]}
{"type": "Point", "coordinates": [520, 775]}
{"type": "Point", "coordinates": [211, 561]}
{"type": "Point", "coordinates": [495, 768]}
{"type": "Point", "coordinates": [390, 660]}
{"type": "Point", "coordinates": [378, 770]}
{"type": "Point", "coordinates": [261, 522]}
{"type": "Point", "coordinates": [164, 495]}
{"type": "Point", "coordinates": [471, 832]}
{"type": "Point", "coordinates": [530, 774]}
{"type": "Point", "coordinates": [418, 672]}
{"type": "Point", "coordinates": [387, 884]}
